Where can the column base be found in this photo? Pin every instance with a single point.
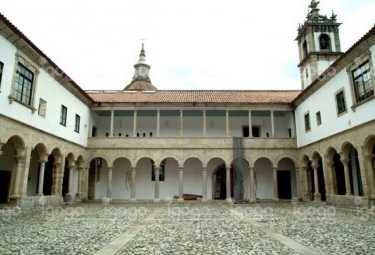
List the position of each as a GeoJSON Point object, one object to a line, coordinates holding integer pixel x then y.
{"type": "Point", "coordinates": [252, 201]}
{"type": "Point", "coordinates": [317, 198]}
{"type": "Point", "coordinates": [133, 200]}
{"type": "Point", "coordinates": [229, 200]}
{"type": "Point", "coordinates": [180, 199]}
{"type": "Point", "coordinates": [156, 200]}
{"type": "Point", "coordinates": [275, 199]}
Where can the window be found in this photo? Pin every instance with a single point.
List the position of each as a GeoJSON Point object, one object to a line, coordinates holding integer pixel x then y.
{"type": "Point", "coordinates": [77, 123]}
{"type": "Point", "coordinates": [23, 84]}
{"type": "Point", "coordinates": [42, 107]}
{"type": "Point", "coordinates": [307, 122]}
{"type": "Point", "coordinates": [1, 71]}
{"type": "Point", "coordinates": [304, 48]}
{"type": "Point", "coordinates": [324, 42]}
{"type": "Point", "coordinates": [318, 118]}
{"type": "Point", "coordinates": [362, 82]}
{"type": "Point", "coordinates": [340, 102]}
{"type": "Point", "coordinates": [64, 112]}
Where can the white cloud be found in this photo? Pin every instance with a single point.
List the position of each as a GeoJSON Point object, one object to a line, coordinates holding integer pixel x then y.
{"type": "Point", "coordinates": [208, 44]}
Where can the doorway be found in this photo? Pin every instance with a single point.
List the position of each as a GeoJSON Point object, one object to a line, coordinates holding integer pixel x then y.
{"type": "Point", "coordinates": [4, 186]}
{"type": "Point", "coordinates": [284, 185]}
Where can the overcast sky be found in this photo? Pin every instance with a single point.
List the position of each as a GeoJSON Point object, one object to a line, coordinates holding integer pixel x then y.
{"type": "Point", "coordinates": [195, 44]}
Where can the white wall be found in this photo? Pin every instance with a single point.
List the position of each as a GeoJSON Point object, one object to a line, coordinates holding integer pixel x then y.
{"type": "Point", "coordinates": [49, 90]}
{"type": "Point", "coordinates": [324, 101]}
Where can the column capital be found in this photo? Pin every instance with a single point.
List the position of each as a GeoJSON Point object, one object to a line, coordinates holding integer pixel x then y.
{"type": "Point", "coordinates": [315, 165]}
{"type": "Point", "coordinates": [345, 160]}
{"type": "Point", "coordinates": [330, 162]}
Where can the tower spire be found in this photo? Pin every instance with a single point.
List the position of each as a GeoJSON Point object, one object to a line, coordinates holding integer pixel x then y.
{"type": "Point", "coordinates": [141, 79]}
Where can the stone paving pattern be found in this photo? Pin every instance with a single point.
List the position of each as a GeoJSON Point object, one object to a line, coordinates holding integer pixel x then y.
{"type": "Point", "coordinates": [188, 228]}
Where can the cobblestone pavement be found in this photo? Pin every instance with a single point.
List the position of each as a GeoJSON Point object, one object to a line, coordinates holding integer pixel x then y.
{"type": "Point", "coordinates": [187, 228]}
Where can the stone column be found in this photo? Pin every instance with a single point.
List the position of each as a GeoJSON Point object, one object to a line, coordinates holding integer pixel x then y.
{"type": "Point", "coordinates": [109, 183]}
{"type": "Point", "coordinates": [227, 122]}
{"type": "Point", "coordinates": [252, 185]}
{"type": "Point", "coordinates": [181, 122]}
{"type": "Point", "coordinates": [25, 167]}
{"type": "Point", "coordinates": [317, 195]}
{"type": "Point", "coordinates": [135, 124]}
{"type": "Point", "coordinates": [204, 123]}
{"type": "Point", "coordinates": [158, 123]}
{"type": "Point", "coordinates": [228, 198]}
{"type": "Point", "coordinates": [86, 191]}
{"type": "Point", "coordinates": [181, 184]}
{"type": "Point", "coordinates": [78, 196]}
{"type": "Point", "coordinates": [132, 185]}
{"type": "Point", "coordinates": [275, 191]}
{"type": "Point", "coordinates": [70, 188]}
{"type": "Point", "coordinates": [156, 187]}
{"type": "Point", "coordinates": [16, 177]}
{"type": "Point", "coordinates": [272, 125]}
{"type": "Point", "coordinates": [250, 125]}
{"type": "Point", "coordinates": [298, 184]}
{"type": "Point", "coordinates": [57, 176]}
{"type": "Point", "coordinates": [303, 181]}
{"type": "Point", "coordinates": [111, 124]}
{"type": "Point", "coordinates": [329, 173]}
{"type": "Point", "coordinates": [204, 184]}
{"type": "Point", "coordinates": [345, 162]}
{"type": "Point", "coordinates": [370, 173]}
{"type": "Point", "coordinates": [41, 177]}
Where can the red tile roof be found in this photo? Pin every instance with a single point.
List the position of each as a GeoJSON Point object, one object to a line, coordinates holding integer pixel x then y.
{"type": "Point", "coordinates": [197, 96]}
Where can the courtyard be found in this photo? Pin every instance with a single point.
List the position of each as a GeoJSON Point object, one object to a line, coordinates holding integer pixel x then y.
{"type": "Point", "coordinates": [189, 227]}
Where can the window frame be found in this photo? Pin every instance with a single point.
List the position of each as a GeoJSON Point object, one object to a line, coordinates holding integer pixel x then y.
{"type": "Point", "coordinates": [21, 59]}
{"type": "Point", "coordinates": [23, 85]}
{"type": "Point", "coordinates": [63, 115]}
{"type": "Point", "coordinates": [318, 117]}
{"type": "Point", "coordinates": [1, 72]}
{"type": "Point", "coordinates": [358, 63]}
{"type": "Point", "coordinates": [339, 92]}
{"type": "Point", "coordinates": [307, 122]}
{"type": "Point", "coordinates": [77, 123]}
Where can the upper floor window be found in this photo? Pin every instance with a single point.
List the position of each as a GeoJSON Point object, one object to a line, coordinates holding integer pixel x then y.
{"type": "Point", "coordinates": [1, 72]}
{"type": "Point", "coordinates": [307, 122]}
{"type": "Point", "coordinates": [42, 107]}
{"type": "Point", "coordinates": [304, 49]}
{"type": "Point", "coordinates": [362, 82]}
{"type": "Point", "coordinates": [340, 102]}
{"type": "Point", "coordinates": [318, 118]}
{"type": "Point", "coordinates": [324, 42]}
{"type": "Point", "coordinates": [77, 123]}
{"type": "Point", "coordinates": [23, 86]}
{"type": "Point", "coordinates": [64, 113]}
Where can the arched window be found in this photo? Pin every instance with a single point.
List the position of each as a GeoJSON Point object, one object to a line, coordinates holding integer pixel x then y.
{"type": "Point", "coordinates": [304, 48]}
{"type": "Point", "coordinates": [324, 42]}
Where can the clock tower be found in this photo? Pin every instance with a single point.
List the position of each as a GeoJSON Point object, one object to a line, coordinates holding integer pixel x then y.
{"type": "Point", "coordinates": [318, 44]}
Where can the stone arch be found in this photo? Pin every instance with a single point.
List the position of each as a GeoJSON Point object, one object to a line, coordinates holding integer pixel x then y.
{"type": "Point", "coordinates": [240, 178]}
{"type": "Point", "coordinates": [121, 178]}
{"type": "Point", "coordinates": [369, 160]}
{"type": "Point", "coordinates": [318, 188]}
{"type": "Point", "coordinates": [12, 160]}
{"type": "Point", "coordinates": [324, 41]}
{"type": "Point", "coordinates": [263, 178]}
{"type": "Point", "coordinates": [145, 177]}
{"type": "Point", "coordinates": [169, 170]}
{"type": "Point", "coordinates": [216, 168]}
{"type": "Point", "coordinates": [36, 178]}
{"type": "Point", "coordinates": [286, 178]}
{"type": "Point", "coordinates": [352, 170]}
